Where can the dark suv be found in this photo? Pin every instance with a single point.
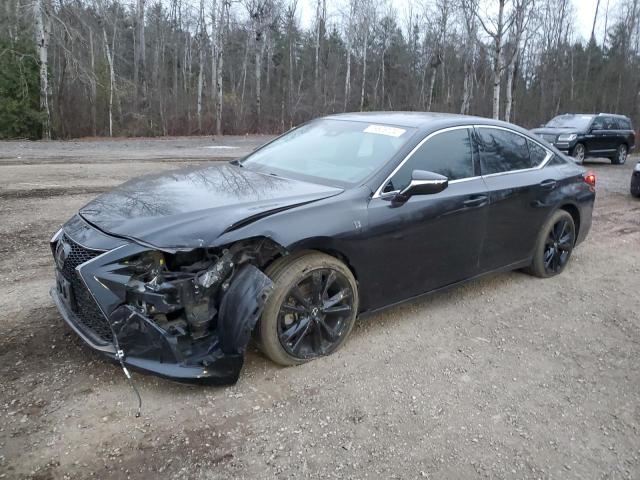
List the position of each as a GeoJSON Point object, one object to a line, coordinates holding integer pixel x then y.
{"type": "Point", "coordinates": [582, 136]}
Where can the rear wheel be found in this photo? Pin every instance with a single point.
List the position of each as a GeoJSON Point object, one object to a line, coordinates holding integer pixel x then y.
{"type": "Point", "coordinates": [554, 245]}
{"type": "Point", "coordinates": [635, 185]}
{"type": "Point", "coordinates": [621, 155]}
{"type": "Point", "coordinates": [311, 310]}
{"type": "Point", "coordinates": [579, 153]}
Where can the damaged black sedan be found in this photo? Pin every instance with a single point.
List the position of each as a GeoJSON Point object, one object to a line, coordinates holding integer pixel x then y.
{"type": "Point", "coordinates": [174, 273]}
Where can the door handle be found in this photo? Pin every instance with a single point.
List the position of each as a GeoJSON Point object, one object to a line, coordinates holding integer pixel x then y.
{"type": "Point", "coordinates": [475, 201]}
{"type": "Point", "coordinates": [548, 184]}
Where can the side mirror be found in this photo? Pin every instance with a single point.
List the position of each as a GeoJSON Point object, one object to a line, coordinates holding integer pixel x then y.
{"type": "Point", "coordinates": [423, 183]}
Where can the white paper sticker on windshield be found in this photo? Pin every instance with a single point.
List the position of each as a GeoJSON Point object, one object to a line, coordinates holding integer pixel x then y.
{"type": "Point", "coordinates": [384, 130]}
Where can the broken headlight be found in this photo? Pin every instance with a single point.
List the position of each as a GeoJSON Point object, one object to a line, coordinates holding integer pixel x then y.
{"type": "Point", "coordinates": [179, 292]}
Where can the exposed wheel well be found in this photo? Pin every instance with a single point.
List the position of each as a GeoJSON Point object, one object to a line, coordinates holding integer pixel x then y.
{"type": "Point", "coordinates": [302, 249]}
{"type": "Point", "coordinates": [340, 256]}
{"type": "Point", "coordinates": [575, 214]}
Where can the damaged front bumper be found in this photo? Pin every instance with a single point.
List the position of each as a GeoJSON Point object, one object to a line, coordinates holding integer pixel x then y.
{"type": "Point", "coordinates": [191, 326]}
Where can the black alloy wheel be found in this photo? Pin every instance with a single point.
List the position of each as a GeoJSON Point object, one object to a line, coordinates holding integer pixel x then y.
{"type": "Point", "coordinates": [311, 310]}
{"type": "Point", "coordinates": [558, 246]}
{"type": "Point", "coordinates": [554, 245]}
{"type": "Point", "coordinates": [315, 313]}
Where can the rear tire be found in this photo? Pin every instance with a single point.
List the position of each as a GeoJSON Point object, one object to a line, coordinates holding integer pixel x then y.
{"type": "Point", "coordinates": [311, 310]}
{"type": "Point", "coordinates": [621, 155]}
{"type": "Point", "coordinates": [554, 246]}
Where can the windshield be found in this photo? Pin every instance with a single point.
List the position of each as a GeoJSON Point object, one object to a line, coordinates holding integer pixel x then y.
{"type": "Point", "coordinates": [338, 151]}
{"type": "Point", "coordinates": [579, 122]}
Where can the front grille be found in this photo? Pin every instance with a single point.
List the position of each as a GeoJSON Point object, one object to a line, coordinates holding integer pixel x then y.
{"type": "Point", "coordinates": [84, 306]}
{"type": "Point", "coordinates": [549, 138]}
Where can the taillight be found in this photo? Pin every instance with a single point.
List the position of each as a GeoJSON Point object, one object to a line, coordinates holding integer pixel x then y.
{"type": "Point", "coordinates": [590, 179]}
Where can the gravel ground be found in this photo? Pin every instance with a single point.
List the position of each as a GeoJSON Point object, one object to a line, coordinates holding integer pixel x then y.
{"type": "Point", "coordinates": [506, 377]}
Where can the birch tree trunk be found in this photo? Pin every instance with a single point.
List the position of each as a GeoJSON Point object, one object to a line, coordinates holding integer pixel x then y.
{"type": "Point", "coordinates": [498, 60]}
{"type": "Point", "coordinates": [142, 85]}
{"type": "Point", "coordinates": [321, 9]}
{"type": "Point", "coordinates": [201, 44]}
{"type": "Point", "coordinates": [92, 83]}
{"type": "Point", "coordinates": [432, 82]}
{"type": "Point", "coordinates": [471, 37]}
{"type": "Point", "coordinates": [520, 16]}
{"type": "Point", "coordinates": [347, 77]}
{"type": "Point", "coordinates": [364, 77]}
{"type": "Point", "coordinates": [222, 25]}
{"type": "Point", "coordinates": [42, 31]}
{"type": "Point", "coordinates": [259, 53]}
{"type": "Point", "coordinates": [112, 76]}
{"type": "Point", "coordinates": [364, 65]}
{"type": "Point", "coordinates": [510, 88]}
{"type": "Point", "coordinates": [200, 86]}
{"type": "Point", "coordinates": [214, 52]}
{"type": "Point", "coordinates": [245, 62]}
{"type": "Point", "coordinates": [497, 36]}
{"type": "Point", "coordinates": [438, 54]}
{"type": "Point", "coordinates": [291, 12]}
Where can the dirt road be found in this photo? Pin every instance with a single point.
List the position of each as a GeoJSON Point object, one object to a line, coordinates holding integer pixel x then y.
{"type": "Point", "coordinates": [507, 377]}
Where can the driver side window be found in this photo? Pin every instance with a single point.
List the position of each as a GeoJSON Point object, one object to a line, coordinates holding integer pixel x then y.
{"type": "Point", "coordinates": [448, 153]}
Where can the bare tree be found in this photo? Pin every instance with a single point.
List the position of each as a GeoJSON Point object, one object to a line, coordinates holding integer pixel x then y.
{"type": "Point", "coordinates": [259, 11]}
{"type": "Point", "coordinates": [290, 25]}
{"type": "Point", "coordinates": [41, 12]}
{"type": "Point", "coordinates": [437, 55]}
{"type": "Point", "coordinates": [141, 80]}
{"type": "Point", "coordinates": [182, 66]}
{"type": "Point", "coordinates": [321, 14]}
{"type": "Point", "coordinates": [112, 75]}
{"type": "Point", "coordinates": [497, 29]}
{"type": "Point", "coordinates": [520, 15]}
{"type": "Point", "coordinates": [468, 8]}
{"type": "Point", "coordinates": [349, 46]}
{"type": "Point", "coordinates": [202, 37]}
{"type": "Point", "coordinates": [367, 15]}
{"type": "Point", "coordinates": [221, 28]}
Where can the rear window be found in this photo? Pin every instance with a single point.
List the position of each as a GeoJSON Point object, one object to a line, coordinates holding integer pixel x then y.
{"type": "Point", "coordinates": [537, 153]}
{"type": "Point", "coordinates": [624, 124]}
{"type": "Point", "coordinates": [557, 161]}
{"type": "Point", "coordinates": [502, 151]}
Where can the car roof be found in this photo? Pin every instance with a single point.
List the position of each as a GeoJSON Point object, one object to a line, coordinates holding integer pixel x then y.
{"type": "Point", "coordinates": [614, 115]}
{"type": "Point", "coordinates": [419, 120]}
{"type": "Point", "coordinates": [617, 115]}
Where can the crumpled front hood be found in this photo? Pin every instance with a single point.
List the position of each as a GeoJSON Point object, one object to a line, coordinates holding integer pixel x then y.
{"type": "Point", "coordinates": [191, 207]}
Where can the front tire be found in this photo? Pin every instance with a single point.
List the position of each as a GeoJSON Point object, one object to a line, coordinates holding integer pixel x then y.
{"type": "Point", "coordinates": [311, 310]}
{"type": "Point", "coordinates": [554, 246]}
{"type": "Point", "coordinates": [621, 155]}
{"type": "Point", "coordinates": [579, 153]}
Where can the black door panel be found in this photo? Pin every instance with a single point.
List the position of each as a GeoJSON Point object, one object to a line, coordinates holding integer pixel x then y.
{"type": "Point", "coordinates": [517, 185]}
{"type": "Point", "coordinates": [426, 243]}
{"type": "Point", "coordinates": [519, 206]}
{"type": "Point", "coordinates": [433, 240]}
